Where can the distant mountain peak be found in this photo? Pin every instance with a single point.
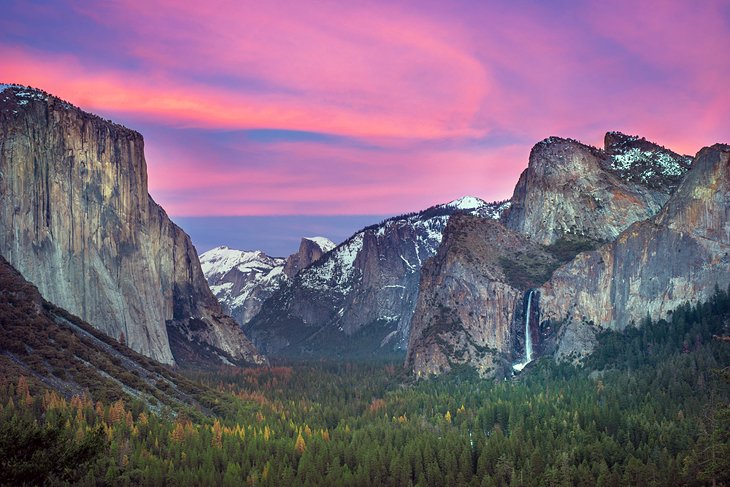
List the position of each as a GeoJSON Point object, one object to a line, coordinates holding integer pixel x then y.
{"type": "Point", "coordinates": [217, 262]}
{"type": "Point", "coordinates": [467, 203]}
{"type": "Point", "coordinates": [323, 242]}
{"type": "Point", "coordinates": [241, 280]}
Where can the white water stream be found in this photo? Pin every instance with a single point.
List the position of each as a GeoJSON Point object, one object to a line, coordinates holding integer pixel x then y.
{"type": "Point", "coordinates": [528, 336]}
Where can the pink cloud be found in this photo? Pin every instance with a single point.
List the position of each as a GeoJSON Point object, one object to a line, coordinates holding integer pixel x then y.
{"type": "Point", "coordinates": [186, 104]}
{"type": "Point", "coordinates": [424, 85]}
{"type": "Point", "coordinates": [386, 73]}
{"type": "Point", "coordinates": [307, 178]}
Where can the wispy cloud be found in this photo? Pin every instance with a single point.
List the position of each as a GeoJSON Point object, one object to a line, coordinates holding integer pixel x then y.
{"type": "Point", "coordinates": [372, 107]}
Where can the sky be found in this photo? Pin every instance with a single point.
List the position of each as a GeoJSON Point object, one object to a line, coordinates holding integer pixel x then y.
{"type": "Point", "coordinates": [345, 112]}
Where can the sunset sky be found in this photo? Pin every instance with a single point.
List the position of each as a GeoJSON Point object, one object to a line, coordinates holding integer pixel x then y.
{"type": "Point", "coordinates": [347, 111]}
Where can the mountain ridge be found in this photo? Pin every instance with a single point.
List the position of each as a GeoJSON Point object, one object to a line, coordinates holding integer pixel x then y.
{"type": "Point", "coordinates": [243, 280]}
{"type": "Point", "coordinates": [77, 221]}
{"type": "Point", "coordinates": [362, 292]}
{"type": "Point", "coordinates": [571, 200]}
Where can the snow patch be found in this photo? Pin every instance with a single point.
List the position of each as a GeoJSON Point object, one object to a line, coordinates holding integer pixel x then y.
{"type": "Point", "coordinates": [411, 267]}
{"type": "Point", "coordinates": [221, 288]}
{"type": "Point", "coordinates": [467, 203]}
{"type": "Point", "coordinates": [219, 261]}
{"type": "Point", "coordinates": [651, 163]}
{"type": "Point", "coordinates": [337, 269]}
{"type": "Point", "coordinates": [322, 242]}
{"type": "Point", "coordinates": [23, 92]}
{"type": "Point", "coordinates": [495, 210]}
{"type": "Point", "coordinates": [4, 87]}
{"type": "Point", "coordinates": [388, 338]}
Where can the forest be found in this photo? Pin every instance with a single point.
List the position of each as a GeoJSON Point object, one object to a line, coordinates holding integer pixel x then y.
{"type": "Point", "coordinates": [649, 407]}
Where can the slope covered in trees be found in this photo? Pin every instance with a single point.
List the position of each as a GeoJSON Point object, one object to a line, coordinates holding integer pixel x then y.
{"type": "Point", "coordinates": [56, 350]}
{"type": "Point", "coordinates": [649, 408]}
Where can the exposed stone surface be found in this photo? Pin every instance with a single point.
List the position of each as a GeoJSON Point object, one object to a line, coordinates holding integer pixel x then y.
{"type": "Point", "coordinates": [359, 297]}
{"type": "Point", "coordinates": [243, 280]}
{"type": "Point", "coordinates": [575, 340]}
{"type": "Point", "coordinates": [656, 265]}
{"type": "Point", "coordinates": [311, 249]}
{"type": "Point", "coordinates": [77, 221]}
{"type": "Point", "coordinates": [570, 199]}
{"type": "Point", "coordinates": [572, 188]}
{"type": "Point", "coordinates": [469, 301]}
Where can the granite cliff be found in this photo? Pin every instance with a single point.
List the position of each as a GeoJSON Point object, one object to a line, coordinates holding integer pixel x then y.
{"type": "Point", "coordinates": [471, 296]}
{"type": "Point", "coordinates": [571, 199]}
{"type": "Point", "coordinates": [77, 221]}
{"type": "Point", "coordinates": [311, 249]}
{"type": "Point", "coordinates": [572, 188]}
{"type": "Point", "coordinates": [654, 266]}
{"type": "Point", "coordinates": [54, 349]}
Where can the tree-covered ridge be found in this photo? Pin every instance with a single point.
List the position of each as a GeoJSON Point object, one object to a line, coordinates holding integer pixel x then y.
{"type": "Point", "coordinates": [55, 349]}
{"type": "Point", "coordinates": [649, 408]}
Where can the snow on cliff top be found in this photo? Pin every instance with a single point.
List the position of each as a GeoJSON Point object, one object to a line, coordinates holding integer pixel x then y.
{"type": "Point", "coordinates": [323, 242]}
{"type": "Point", "coordinates": [5, 86]}
{"type": "Point", "coordinates": [220, 260]}
{"type": "Point", "coordinates": [24, 92]}
{"type": "Point", "coordinates": [479, 207]}
{"type": "Point", "coordinates": [467, 203]}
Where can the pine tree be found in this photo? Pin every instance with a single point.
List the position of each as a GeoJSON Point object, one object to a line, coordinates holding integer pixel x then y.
{"type": "Point", "coordinates": [300, 445]}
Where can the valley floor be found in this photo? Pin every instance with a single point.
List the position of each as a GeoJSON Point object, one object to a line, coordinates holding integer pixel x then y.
{"type": "Point", "coordinates": [650, 407]}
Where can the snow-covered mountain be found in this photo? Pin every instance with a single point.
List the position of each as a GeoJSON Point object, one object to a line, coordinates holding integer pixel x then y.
{"type": "Point", "coordinates": [359, 297]}
{"type": "Point", "coordinates": [242, 280]}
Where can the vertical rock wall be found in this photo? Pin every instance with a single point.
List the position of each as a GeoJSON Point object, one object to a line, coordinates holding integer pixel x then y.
{"type": "Point", "coordinates": [77, 221]}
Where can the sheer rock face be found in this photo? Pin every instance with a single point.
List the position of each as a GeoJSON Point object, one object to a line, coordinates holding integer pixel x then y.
{"type": "Point", "coordinates": [470, 305]}
{"type": "Point", "coordinates": [358, 298]}
{"type": "Point", "coordinates": [77, 221]}
{"type": "Point", "coordinates": [311, 249]}
{"type": "Point", "coordinates": [243, 280]}
{"type": "Point", "coordinates": [571, 197]}
{"type": "Point", "coordinates": [572, 188]}
{"type": "Point", "coordinates": [655, 265]}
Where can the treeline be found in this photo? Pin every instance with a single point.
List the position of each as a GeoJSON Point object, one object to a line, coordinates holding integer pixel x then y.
{"type": "Point", "coordinates": [650, 407]}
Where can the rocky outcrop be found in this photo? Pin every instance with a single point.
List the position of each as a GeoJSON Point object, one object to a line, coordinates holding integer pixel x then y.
{"type": "Point", "coordinates": [242, 280]}
{"type": "Point", "coordinates": [474, 293]}
{"type": "Point", "coordinates": [359, 297]}
{"type": "Point", "coordinates": [471, 298]}
{"type": "Point", "coordinates": [638, 160]}
{"type": "Point", "coordinates": [654, 266]}
{"type": "Point", "coordinates": [77, 221]}
{"type": "Point", "coordinates": [570, 188]}
{"type": "Point", "coordinates": [311, 249]}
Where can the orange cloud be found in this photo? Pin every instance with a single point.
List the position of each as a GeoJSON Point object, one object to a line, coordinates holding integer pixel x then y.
{"type": "Point", "coordinates": [425, 102]}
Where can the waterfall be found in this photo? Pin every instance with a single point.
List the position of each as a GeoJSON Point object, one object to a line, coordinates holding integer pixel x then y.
{"type": "Point", "coordinates": [528, 335]}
